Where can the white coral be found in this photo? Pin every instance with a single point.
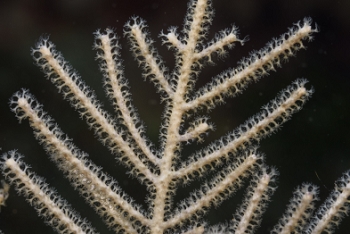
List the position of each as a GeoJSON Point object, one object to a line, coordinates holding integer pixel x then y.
{"type": "Point", "coordinates": [162, 171]}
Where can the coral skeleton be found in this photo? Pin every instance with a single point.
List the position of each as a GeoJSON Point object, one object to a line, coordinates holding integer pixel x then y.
{"type": "Point", "coordinates": [161, 168]}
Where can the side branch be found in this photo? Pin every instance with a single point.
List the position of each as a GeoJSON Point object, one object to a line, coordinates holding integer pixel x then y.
{"type": "Point", "coordinates": [248, 216]}
{"type": "Point", "coordinates": [116, 85]}
{"type": "Point", "coordinates": [213, 193]}
{"type": "Point", "coordinates": [225, 38]}
{"type": "Point", "coordinates": [54, 209]}
{"type": "Point", "coordinates": [80, 96]}
{"type": "Point", "coordinates": [172, 40]}
{"type": "Point", "coordinates": [196, 129]}
{"type": "Point", "coordinates": [235, 81]}
{"type": "Point", "coordinates": [147, 56]}
{"type": "Point", "coordinates": [97, 187]}
{"type": "Point", "coordinates": [299, 210]}
{"type": "Point", "coordinates": [334, 208]}
{"type": "Point", "coordinates": [268, 121]}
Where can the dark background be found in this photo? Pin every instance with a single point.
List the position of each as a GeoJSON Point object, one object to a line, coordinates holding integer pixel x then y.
{"type": "Point", "coordinates": [312, 147]}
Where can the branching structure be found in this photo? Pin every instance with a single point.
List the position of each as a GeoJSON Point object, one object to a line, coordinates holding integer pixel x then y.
{"type": "Point", "coordinates": [161, 170]}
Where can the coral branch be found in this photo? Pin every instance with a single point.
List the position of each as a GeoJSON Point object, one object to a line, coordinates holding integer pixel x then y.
{"type": "Point", "coordinates": [225, 38]}
{"type": "Point", "coordinates": [162, 171]}
{"type": "Point", "coordinates": [96, 186]}
{"type": "Point", "coordinates": [147, 55]}
{"type": "Point", "coordinates": [213, 193]}
{"type": "Point", "coordinates": [80, 96]}
{"type": "Point", "coordinates": [56, 211]}
{"type": "Point", "coordinates": [259, 126]}
{"type": "Point", "coordinates": [298, 212]}
{"type": "Point", "coordinates": [248, 217]}
{"type": "Point", "coordinates": [334, 209]}
{"type": "Point", "coordinates": [235, 81]}
{"type": "Point", "coordinates": [199, 127]}
{"type": "Point", "coordinates": [198, 19]}
{"type": "Point", "coordinates": [116, 88]}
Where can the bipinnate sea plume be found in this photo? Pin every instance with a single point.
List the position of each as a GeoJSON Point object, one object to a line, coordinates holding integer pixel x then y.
{"type": "Point", "coordinates": [161, 168]}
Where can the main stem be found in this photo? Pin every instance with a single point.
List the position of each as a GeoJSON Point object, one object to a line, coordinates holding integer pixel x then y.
{"type": "Point", "coordinates": [173, 138]}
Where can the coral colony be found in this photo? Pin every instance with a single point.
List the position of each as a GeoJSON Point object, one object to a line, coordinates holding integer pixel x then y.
{"type": "Point", "coordinates": [160, 168]}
